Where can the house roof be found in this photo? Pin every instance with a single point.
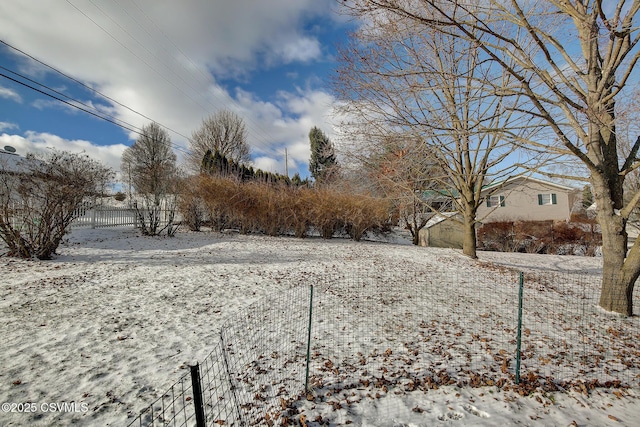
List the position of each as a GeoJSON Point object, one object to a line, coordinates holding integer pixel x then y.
{"type": "Point", "coordinates": [435, 194]}
{"type": "Point", "coordinates": [498, 184]}
{"type": "Point", "coordinates": [10, 162]}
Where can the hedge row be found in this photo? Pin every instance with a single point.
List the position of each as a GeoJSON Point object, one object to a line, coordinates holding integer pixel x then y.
{"type": "Point", "coordinates": [543, 237]}
{"type": "Point", "coordinates": [254, 207]}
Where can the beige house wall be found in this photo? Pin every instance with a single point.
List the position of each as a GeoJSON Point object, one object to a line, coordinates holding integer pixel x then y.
{"type": "Point", "coordinates": [521, 203]}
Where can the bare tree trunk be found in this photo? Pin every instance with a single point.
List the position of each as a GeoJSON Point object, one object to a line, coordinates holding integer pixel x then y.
{"type": "Point", "coordinates": [619, 272]}
{"type": "Point", "coordinates": [415, 237]}
{"type": "Point", "coordinates": [469, 243]}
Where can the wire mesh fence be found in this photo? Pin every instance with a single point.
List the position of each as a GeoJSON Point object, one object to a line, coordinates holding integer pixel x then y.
{"type": "Point", "coordinates": [379, 331]}
{"type": "Point", "coordinates": [265, 347]}
{"type": "Point", "coordinates": [174, 408]}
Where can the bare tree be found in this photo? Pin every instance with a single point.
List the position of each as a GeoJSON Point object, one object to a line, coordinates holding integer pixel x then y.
{"type": "Point", "coordinates": [150, 166]}
{"type": "Point", "coordinates": [572, 60]}
{"type": "Point", "coordinates": [436, 88]}
{"type": "Point", "coordinates": [41, 195]}
{"type": "Point", "coordinates": [224, 132]}
{"type": "Point", "coordinates": [403, 172]}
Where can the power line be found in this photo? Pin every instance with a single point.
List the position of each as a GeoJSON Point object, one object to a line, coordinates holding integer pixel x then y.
{"type": "Point", "coordinates": [258, 134]}
{"type": "Point", "coordinates": [69, 97]}
{"type": "Point", "coordinates": [69, 103]}
{"type": "Point", "coordinates": [257, 131]}
{"type": "Point", "coordinates": [88, 87]}
{"type": "Point", "coordinates": [136, 55]}
{"type": "Point", "coordinates": [77, 104]}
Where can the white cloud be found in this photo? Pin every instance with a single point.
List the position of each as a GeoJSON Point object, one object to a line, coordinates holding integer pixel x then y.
{"type": "Point", "coordinates": [7, 93]}
{"type": "Point", "coordinates": [165, 59]}
{"type": "Point", "coordinates": [301, 49]}
{"type": "Point", "coordinates": [35, 142]}
{"type": "Point", "coordinates": [269, 164]}
{"type": "Point", "coordinates": [7, 126]}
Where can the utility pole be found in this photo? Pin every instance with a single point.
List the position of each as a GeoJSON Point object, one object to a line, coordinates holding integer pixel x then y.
{"type": "Point", "coordinates": [286, 163]}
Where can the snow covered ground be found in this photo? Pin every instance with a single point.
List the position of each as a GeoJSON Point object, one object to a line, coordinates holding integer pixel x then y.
{"type": "Point", "coordinates": [115, 319]}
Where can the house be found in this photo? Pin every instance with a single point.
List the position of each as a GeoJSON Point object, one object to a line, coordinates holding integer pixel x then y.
{"type": "Point", "coordinates": [523, 198]}
{"type": "Point", "coordinates": [10, 162]}
{"type": "Point", "coordinates": [519, 198]}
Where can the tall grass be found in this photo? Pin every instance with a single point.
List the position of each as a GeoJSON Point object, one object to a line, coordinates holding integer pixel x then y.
{"type": "Point", "coordinates": [279, 209]}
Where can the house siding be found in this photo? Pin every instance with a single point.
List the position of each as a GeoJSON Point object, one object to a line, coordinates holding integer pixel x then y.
{"type": "Point", "coordinates": [522, 203]}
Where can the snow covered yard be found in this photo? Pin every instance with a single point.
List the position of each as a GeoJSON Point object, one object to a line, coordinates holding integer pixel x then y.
{"type": "Point", "coordinates": [116, 318]}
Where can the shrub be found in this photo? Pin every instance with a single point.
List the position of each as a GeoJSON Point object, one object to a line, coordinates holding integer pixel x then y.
{"type": "Point", "coordinates": [298, 211]}
{"type": "Point", "coordinates": [544, 237]}
{"type": "Point", "coordinates": [218, 195]}
{"type": "Point", "coordinates": [39, 203]}
{"type": "Point", "coordinates": [190, 204]}
{"type": "Point", "coordinates": [365, 214]}
{"type": "Point", "coordinates": [496, 236]}
{"type": "Point", "coordinates": [325, 212]}
{"type": "Point", "coordinates": [277, 209]}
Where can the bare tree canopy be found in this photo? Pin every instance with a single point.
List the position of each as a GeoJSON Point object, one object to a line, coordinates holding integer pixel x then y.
{"type": "Point", "coordinates": [224, 132]}
{"type": "Point", "coordinates": [571, 60]}
{"type": "Point", "coordinates": [423, 84]}
{"type": "Point", "coordinates": [404, 173]}
{"type": "Point", "coordinates": [149, 165]}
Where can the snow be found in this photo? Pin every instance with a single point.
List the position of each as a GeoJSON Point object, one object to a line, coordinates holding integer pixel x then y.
{"type": "Point", "coordinates": [115, 318]}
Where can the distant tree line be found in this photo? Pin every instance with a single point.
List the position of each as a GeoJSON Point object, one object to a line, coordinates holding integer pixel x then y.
{"type": "Point", "coordinates": [216, 164]}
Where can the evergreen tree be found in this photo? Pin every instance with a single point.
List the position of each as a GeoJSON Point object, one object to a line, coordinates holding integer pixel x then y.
{"type": "Point", "coordinates": [299, 182]}
{"type": "Point", "coordinates": [323, 157]}
{"type": "Point", "coordinates": [587, 196]}
{"type": "Point", "coordinates": [207, 162]}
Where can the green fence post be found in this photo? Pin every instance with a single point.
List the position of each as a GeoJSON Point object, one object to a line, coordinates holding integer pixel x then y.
{"type": "Point", "coordinates": [519, 336]}
{"type": "Point", "coordinates": [306, 381]}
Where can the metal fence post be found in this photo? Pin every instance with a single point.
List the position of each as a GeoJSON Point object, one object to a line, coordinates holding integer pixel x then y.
{"type": "Point", "coordinates": [519, 336]}
{"type": "Point", "coordinates": [197, 395]}
{"type": "Point", "coordinates": [306, 380]}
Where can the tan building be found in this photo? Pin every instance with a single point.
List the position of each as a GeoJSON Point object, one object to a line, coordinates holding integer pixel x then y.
{"type": "Point", "coordinates": [444, 230]}
{"type": "Point", "coordinates": [527, 199]}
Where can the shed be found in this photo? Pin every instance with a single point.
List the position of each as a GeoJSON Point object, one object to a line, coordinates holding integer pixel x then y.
{"type": "Point", "coordinates": [443, 230]}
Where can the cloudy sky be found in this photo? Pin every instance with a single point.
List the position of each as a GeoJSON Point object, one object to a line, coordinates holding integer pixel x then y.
{"type": "Point", "coordinates": [173, 62]}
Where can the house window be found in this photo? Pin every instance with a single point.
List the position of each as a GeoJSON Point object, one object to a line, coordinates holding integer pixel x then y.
{"type": "Point", "coordinates": [495, 201]}
{"type": "Point", "coordinates": [547, 199]}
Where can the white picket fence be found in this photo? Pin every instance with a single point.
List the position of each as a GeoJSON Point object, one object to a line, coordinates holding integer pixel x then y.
{"type": "Point", "coordinates": [106, 216]}
{"type": "Point", "coordinates": [112, 216]}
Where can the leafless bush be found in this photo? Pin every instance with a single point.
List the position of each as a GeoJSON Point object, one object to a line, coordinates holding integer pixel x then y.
{"type": "Point", "coordinates": [325, 213]}
{"type": "Point", "coordinates": [218, 196]}
{"type": "Point", "coordinates": [298, 211]}
{"type": "Point", "coordinates": [277, 209]}
{"type": "Point", "coordinates": [364, 214]}
{"type": "Point", "coordinates": [191, 205]}
{"type": "Point", "coordinates": [41, 196]}
{"type": "Point", "coordinates": [544, 237]}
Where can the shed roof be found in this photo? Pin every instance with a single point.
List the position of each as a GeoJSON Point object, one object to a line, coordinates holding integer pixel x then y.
{"type": "Point", "coordinates": [439, 217]}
